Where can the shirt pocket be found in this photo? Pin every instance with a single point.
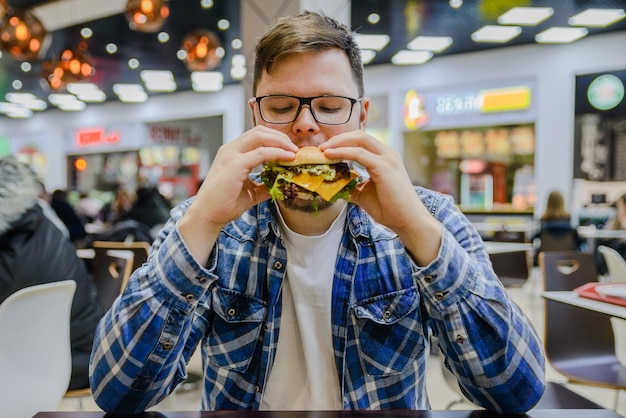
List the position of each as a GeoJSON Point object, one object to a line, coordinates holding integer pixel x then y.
{"type": "Point", "coordinates": [389, 331]}
{"type": "Point", "coordinates": [236, 327]}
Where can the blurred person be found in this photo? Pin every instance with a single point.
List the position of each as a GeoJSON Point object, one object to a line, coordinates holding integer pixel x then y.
{"type": "Point", "coordinates": [303, 303]}
{"type": "Point", "coordinates": [34, 251]}
{"type": "Point", "coordinates": [88, 207]}
{"type": "Point", "coordinates": [44, 201]}
{"type": "Point", "coordinates": [556, 222]}
{"type": "Point", "coordinates": [619, 220]}
{"type": "Point", "coordinates": [150, 207]}
{"type": "Point", "coordinates": [68, 215]}
{"type": "Point", "coordinates": [118, 208]}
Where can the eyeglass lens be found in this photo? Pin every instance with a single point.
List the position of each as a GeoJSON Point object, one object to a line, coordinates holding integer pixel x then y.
{"type": "Point", "coordinates": [331, 110]}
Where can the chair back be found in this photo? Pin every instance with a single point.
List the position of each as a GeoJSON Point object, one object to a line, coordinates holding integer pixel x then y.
{"type": "Point", "coordinates": [512, 268]}
{"type": "Point", "coordinates": [577, 341]}
{"type": "Point", "coordinates": [140, 249]}
{"type": "Point", "coordinates": [615, 263]}
{"type": "Point", "coordinates": [35, 354]}
{"type": "Point", "coordinates": [556, 240]}
{"type": "Point", "coordinates": [111, 271]}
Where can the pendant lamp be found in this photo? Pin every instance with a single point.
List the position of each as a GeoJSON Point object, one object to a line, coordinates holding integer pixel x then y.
{"type": "Point", "coordinates": [201, 48]}
{"type": "Point", "coordinates": [23, 36]}
{"type": "Point", "coordinates": [146, 15]}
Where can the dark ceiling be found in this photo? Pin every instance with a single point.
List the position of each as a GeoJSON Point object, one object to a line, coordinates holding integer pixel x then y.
{"type": "Point", "coordinates": [401, 19]}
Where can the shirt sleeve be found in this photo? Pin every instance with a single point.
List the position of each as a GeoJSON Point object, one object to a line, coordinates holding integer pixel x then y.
{"type": "Point", "coordinates": [143, 343]}
{"type": "Point", "coordinates": [488, 342]}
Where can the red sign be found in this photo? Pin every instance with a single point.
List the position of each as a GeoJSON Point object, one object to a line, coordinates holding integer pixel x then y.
{"type": "Point", "coordinates": [90, 137]}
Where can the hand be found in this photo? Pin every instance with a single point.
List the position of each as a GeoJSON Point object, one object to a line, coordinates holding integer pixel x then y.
{"type": "Point", "coordinates": [227, 190]}
{"type": "Point", "coordinates": [388, 194]}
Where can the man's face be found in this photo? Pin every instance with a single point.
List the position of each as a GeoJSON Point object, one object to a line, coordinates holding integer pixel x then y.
{"type": "Point", "coordinates": [310, 75]}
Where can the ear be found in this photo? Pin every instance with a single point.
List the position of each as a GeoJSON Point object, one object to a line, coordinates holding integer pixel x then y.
{"type": "Point", "coordinates": [251, 103]}
{"type": "Point", "coordinates": [365, 108]}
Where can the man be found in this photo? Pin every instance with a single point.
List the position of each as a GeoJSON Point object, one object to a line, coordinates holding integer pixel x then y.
{"type": "Point", "coordinates": [296, 308]}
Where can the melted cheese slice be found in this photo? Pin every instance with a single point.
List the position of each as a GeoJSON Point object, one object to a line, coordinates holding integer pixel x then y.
{"type": "Point", "coordinates": [307, 181]}
{"type": "Point", "coordinates": [317, 184]}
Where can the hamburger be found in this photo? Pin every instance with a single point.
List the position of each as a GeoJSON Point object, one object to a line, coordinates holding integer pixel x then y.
{"type": "Point", "coordinates": [311, 175]}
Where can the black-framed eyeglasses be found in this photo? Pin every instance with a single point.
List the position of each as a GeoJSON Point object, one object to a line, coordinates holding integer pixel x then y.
{"type": "Point", "coordinates": [327, 110]}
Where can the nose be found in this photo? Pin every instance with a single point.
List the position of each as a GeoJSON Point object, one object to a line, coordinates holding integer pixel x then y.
{"type": "Point", "coordinates": [305, 122]}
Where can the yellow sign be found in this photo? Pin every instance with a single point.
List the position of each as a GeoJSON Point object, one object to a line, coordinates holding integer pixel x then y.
{"type": "Point", "coordinates": [505, 99]}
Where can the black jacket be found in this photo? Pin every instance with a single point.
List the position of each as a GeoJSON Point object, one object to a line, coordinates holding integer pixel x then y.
{"type": "Point", "coordinates": [34, 251]}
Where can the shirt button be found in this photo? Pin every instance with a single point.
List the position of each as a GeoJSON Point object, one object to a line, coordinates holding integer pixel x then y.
{"type": "Point", "coordinates": [189, 297]}
{"type": "Point", "coordinates": [257, 389]}
{"type": "Point", "coordinates": [166, 345]}
{"type": "Point", "coordinates": [428, 279]}
{"type": "Point", "coordinates": [201, 279]}
{"type": "Point", "coordinates": [439, 295]}
{"type": "Point", "coordinates": [460, 339]}
{"type": "Point", "coordinates": [267, 327]}
{"type": "Point", "coordinates": [231, 312]}
{"type": "Point", "coordinates": [387, 314]}
{"type": "Point", "coordinates": [278, 265]}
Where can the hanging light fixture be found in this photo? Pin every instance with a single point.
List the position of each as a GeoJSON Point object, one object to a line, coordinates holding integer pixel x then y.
{"type": "Point", "coordinates": [72, 65]}
{"type": "Point", "coordinates": [203, 51]}
{"type": "Point", "coordinates": [146, 15]}
{"type": "Point", "coordinates": [23, 36]}
{"type": "Point", "coordinates": [4, 9]}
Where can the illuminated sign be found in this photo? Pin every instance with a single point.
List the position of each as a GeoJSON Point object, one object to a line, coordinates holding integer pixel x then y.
{"type": "Point", "coordinates": [605, 92]}
{"type": "Point", "coordinates": [174, 135]}
{"type": "Point", "coordinates": [93, 137]}
{"type": "Point", "coordinates": [484, 101]}
{"type": "Point", "coordinates": [414, 112]}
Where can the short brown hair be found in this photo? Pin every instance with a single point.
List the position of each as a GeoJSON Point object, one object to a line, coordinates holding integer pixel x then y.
{"type": "Point", "coordinates": [306, 32]}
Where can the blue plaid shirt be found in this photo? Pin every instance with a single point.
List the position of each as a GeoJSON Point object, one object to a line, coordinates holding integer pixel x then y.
{"type": "Point", "coordinates": [383, 309]}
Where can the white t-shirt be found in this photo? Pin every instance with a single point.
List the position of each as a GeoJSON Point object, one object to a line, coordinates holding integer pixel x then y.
{"type": "Point", "coordinates": [304, 375]}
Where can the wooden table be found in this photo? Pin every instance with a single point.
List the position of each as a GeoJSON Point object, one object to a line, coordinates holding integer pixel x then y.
{"type": "Point", "coordinates": [540, 413]}
{"type": "Point", "coordinates": [570, 297]}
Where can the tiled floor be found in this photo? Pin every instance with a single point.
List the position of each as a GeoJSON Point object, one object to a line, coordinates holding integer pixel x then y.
{"type": "Point", "coordinates": [440, 394]}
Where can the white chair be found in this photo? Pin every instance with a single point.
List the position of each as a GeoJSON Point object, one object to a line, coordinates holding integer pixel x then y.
{"type": "Point", "coordinates": [615, 264]}
{"type": "Point", "coordinates": [35, 354]}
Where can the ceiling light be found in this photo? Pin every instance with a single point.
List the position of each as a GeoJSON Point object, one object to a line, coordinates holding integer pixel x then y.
{"type": "Point", "coordinates": [493, 33]}
{"type": "Point", "coordinates": [86, 33]}
{"type": "Point", "coordinates": [67, 102]}
{"type": "Point", "coordinates": [17, 84]}
{"type": "Point", "coordinates": [26, 67]}
{"type": "Point", "coordinates": [28, 100]}
{"type": "Point", "coordinates": [455, 4]}
{"type": "Point", "coordinates": [133, 63]}
{"type": "Point", "coordinates": [430, 43]}
{"type": "Point", "coordinates": [146, 15]}
{"type": "Point", "coordinates": [130, 93]}
{"type": "Point", "coordinates": [163, 37]}
{"type": "Point", "coordinates": [162, 80]}
{"type": "Point", "coordinates": [558, 35]}
{"type": "Point", "coordinates": [87, 92]}
{"type": "Point", "coordinates": [207, 81]}
{"type": "Point", "coordinates": [223, 24]}
{"type": "Point", "coordinates": [236, 43]}
{"type": "Point", "coordinates": [201, 49]}
{"type": "Point", "coordinates": [375, 42]}
{"type": "Point", "coordinates": [23, 36]}
{"type": "Point", "coordinates": [367, 55]}
{"type": "Point", "coordinates": [373, 18]}
{"type": "Point", "coordinates": [13, 110]}
{"type": "Point", "coordinates": [111, 48]}
{"type": "Point", "coordinates": [206, 4]}
{"type": "Point", "coordinates": [405, 57]}
{"type": "Point", "coordinates": [597, 17]}
{"type": "Point", "coordinates": [525, 16]}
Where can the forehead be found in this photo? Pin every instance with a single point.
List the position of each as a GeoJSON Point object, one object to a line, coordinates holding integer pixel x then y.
{"type": "Point", "coordinates": [309, 74]}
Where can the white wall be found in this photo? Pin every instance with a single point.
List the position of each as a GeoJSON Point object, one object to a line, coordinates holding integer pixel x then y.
{"type": "Point", "coordinates": [553, 67]}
